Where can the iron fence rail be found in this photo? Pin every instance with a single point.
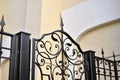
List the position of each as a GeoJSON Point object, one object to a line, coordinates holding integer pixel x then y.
{"type": "Point", "coordinates": [101, 68]}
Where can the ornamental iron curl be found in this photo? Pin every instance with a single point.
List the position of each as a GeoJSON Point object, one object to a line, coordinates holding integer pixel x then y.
{"type": "Point", "coordinates": [58, 56]}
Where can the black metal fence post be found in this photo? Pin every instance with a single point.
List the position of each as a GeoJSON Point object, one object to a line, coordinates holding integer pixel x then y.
{"type": "Point", "coordinates": [33, 60]}
{"type": "Point", "coordinates": [23, 58]}
{"type": "Point", "coordinates": [12, 60]}
{"type": "Point", "coordinates": [90, 70]}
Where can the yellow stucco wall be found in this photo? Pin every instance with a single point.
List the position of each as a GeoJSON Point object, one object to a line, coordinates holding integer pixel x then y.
{"type": "Point", "coordinates": [51, 12]}
{"type": "Point", "coordinates": [104, 36]}
{"type": "Point", "coordinates": [14, 12]}
{"type": "Point", "coordinates": [50, 18]}
{"type": "Point", "coordinates": [4, 70]}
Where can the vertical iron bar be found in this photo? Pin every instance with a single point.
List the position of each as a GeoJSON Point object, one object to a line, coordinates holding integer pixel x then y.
{"type": "Point", "coordinates": [33, 60]}
{"type": "Point", "coordinates": [115, 67]}
{"type": "Point", "coordinates": [0, 47]}
{"type": "Point", "coordinates": [90, 69]}
{"type": "Point", "coordinates": [2, 24]}
{"type": "Point", "coordinates": [24, 55]}
{"type": "Point", "coordinates": [110, 70]}
{"type": "Point", "coordinates": [0, 54]}
{"type": "Point", "coordinates": [98, 65]}
{"type": "Point", "coordinates": [86, 66]}
{"type": "Point", "coordinates": [104, 71]}
{"type": "Point", "coordinates": [17, 55]}
{"type": "Point", "coordinates": [12, 58]}
{"type": "Point", "coordinates": [62, 46]}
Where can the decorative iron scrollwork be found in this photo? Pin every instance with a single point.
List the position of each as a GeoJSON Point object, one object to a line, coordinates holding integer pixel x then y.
{"type": "Point", "coordinates": [59, 56]}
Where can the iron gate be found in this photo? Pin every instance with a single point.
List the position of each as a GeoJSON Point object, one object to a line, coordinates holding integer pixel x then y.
{"type": "Point", "coordinates": [57, 57]}
{"type": "Point", "coordinates": [54, 56]}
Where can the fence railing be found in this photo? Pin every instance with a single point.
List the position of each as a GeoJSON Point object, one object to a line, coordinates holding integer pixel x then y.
{"type": "Point", "coordinates": [101, 68]}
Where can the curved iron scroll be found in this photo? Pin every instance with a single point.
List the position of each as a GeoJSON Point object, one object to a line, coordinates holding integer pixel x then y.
{"type": "Point", "coordinates": [58, 56]}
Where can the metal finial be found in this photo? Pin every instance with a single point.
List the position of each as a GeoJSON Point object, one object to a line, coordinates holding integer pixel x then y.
{"type": "Point", "coordinates": [102, 53]}
{"type": "Point", "coordinates": [2, 23]}
{"type": "Point", "coordinates": [62, 24]}
{"type": "Point", "coordinates": [113, 55]}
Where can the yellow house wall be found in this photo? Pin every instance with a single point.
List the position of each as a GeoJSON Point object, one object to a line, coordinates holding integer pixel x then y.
{"type": "Point", "coordinates": [104, 36]}
{"type": "Point", "coordinates": [14, 12]}
{"type": "Point", "coordinates": [51, 12]}
{"type": "Point", "coordinates": [4, 70]}
{"type": "Point", "coordinates": [50, 18]}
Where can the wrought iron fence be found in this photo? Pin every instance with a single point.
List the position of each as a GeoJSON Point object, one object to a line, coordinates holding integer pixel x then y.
{"type": "Point", "coordinates": [101, 68]}
{"type": "Point", "coordinates": [55, 56]}
{"type": "Point", "coordinates": [15, 50]}
{"type": "Point", "coordinates": [6, 51]}
{"type": "Point", "coordinates": [107, 69]}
